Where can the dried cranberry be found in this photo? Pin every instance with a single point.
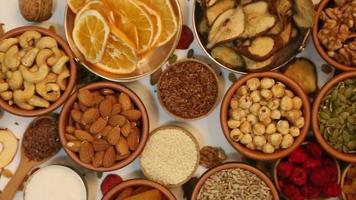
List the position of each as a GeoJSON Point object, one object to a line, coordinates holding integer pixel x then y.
{"type": "Point", "coordinates": [318, 177]}
{"type": "Point", "coordinates": [332, 190]}
{"type": "Point", "coordinates": [311, 163]}
{"type": "Point", "coordinates": [298, 156]}
{"type": "Point", "coordinates": [292, 192]}
{"type": "Point", "coordinates": [314, 150]}
{"type": "Point", "coordinates": [186, 38]}
{"type": "Point", "coordinates": [284, 169]}
{"type": "Point", "coordinates": [109, 182]}
{"type": "Point", "coordinates": [310, 191]}
{"type": "Point", "coordinates": [299, 176]}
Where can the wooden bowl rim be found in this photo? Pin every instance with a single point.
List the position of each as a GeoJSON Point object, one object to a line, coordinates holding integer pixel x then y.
{"type": "Point", "coordinates": [344, 173]}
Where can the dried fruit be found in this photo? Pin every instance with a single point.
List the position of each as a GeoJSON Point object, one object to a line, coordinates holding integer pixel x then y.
{"type": "Point", "coordinates": [186, 38]}
{"type": "Point", "coordinates": [109, 182]}
{"type": "Point", "coordinates": [86, 152]}
{"type": "Point", "coordinates": [109, 157]}
{"type": "Point", "coordinates": [304, 13]}
{"type": "Point", "coordinates": [227, 56]}
{"type": "Point", "coordinates": [211, 156]}
{"type": "Point", "coordinates": [217, 9]}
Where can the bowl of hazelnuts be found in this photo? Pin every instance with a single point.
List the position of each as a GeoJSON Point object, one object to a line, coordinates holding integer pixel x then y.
{"type": "Point", "coordinates": [265, 116]}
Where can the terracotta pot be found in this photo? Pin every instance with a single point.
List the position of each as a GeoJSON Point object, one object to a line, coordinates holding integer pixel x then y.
{"type": "Point", "coordinates": [318, 45]}
{"type": "Point", "coordinates": [112, 194]}
{"type": "Point", "coordinates": [71, 80]}
{"type": "Point", "coordinates": [65, 114]}
{"type": "Point", "coordinates": [233, 165]}
{"type": "Point", "coordinates": [315, 121]}
{"type": "Point", "coordinates": [343, 177]}
{"type": "Point", "coordinates": [256, 154]}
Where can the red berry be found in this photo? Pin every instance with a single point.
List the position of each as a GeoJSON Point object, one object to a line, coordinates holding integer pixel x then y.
{"type": "Point", "coordinates": [285, 169]}
{"type": "Point", "coordinates": [186, 38]}
{"type": "Point", "coordinates": [298, 156]}
{"type": "Point", "coordinates": [109, 182]}
{"type": "Point", "coordinates": [310, 191]}
{"type": "Point", "coordinates": [299, 176]}
{"type": "Point", "coordinates": [332, 190]}
{"type": "Point", "coordinates": [311, 163]}
{"type": "Point", "coordinates": [292, 192]}
{"type": "Point", "coordinates": [314, 150]}
{"type": "Point", "coordinates": [318, 177]}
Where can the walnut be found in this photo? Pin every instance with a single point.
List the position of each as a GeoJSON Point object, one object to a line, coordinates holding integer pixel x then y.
{"type": "Point", "coordinates": [36, 10]}
{"type": "Point", "coordinates": [211, 156]}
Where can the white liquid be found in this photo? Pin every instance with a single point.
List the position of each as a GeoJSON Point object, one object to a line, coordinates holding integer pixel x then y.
{"type": "Point", "coordinates": [55, 183]}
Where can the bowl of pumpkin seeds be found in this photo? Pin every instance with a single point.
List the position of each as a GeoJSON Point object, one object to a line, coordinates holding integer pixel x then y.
{"type": "Point", "coordinates": [334, 117]}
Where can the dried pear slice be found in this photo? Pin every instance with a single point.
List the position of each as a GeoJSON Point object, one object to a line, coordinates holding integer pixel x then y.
{"type": "Point", "coordinates": [286, 34]}
{"type": "Point", "coordinates": [227, 57]}
{"type": "Point", "coordinates": [230, 29]}
{"type": "Point", "coordinates": [252, 65]}
{"type": "Point", "coordinates": [203, 27]}
{"type": "Point", "coordinates": [219, 22]}
{"type": "Point", "coordinates": [258, 19]}
{"type": "Point", "coordinates": [209, 3]}
{"type": "Point", "coordinates": [304, 13]}
{"type": "Point", "coordinates": [214, 11]}
{"type": "Point", "coordinates": [261, 48]}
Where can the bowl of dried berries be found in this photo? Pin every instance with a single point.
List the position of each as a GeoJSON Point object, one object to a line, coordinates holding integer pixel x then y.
{"type": "Point", "coordinates": [334, 33]}
{"type": "Point", "coordinates": [188, 89]}
{"type": "Point", "coordinates": [103, 126]}
{"type": "Point", "coordinates": [308, 173]}
{"type": "Point", "coordinates": [234, 179]}
{"type": "Point", "coordinates": [265, 115]}
{"type": "Point", "coordinates": [334, 117]}
{"type": "Point", "coordinates": [348, 182]}
{"type": "Point", "coordinates": [136, 189]}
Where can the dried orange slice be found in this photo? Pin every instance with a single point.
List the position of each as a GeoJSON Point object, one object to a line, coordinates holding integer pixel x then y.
{"type": "Point", "coordinates": [90, 35]}
{"type": "Point", "coordinates": [76, 5]}
{"type": "Point", "coordinates": [94, 5]}
{"type": "Point", "coordinates": [168, 17]}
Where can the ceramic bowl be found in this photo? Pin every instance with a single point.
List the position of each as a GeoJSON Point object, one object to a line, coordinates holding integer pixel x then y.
{"type": "Point", "coordinates": [71, 81]}
{"type": "Point", "coordinates": [315, 121]}
{"type": "Point", "coordinates": [112, 194]}
{"type": "Point", "coordinates": [65, 114]}
{"type": "Point", "coordinates": [233, 165]}
{"type": "Point", "coordinates": [343, 177]}
{"type": "Point", "coordinates": [155, 60]}
{"type": "Point", "coordinates": [259, 155]}
{"type": "Point", "coordinates": [321, 50]}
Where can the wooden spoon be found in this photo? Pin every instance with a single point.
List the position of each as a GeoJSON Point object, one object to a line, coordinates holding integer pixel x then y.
{"type": "Point", "coordinates": [26, 164]}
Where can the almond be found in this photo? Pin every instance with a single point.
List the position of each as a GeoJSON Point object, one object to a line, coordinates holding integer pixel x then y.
{"type": "Point", "coordinates": [121, 157]}
{"type": "Point", "coordinates": [98, 125]}
{"type": "Point", "coordinates": [133, 140]}
{"type": "Point", "coordinates": [76, 115]}
{"type": "Point", "coordinates": [106, 130]}
{"type": "Point", "coordinates": [98, 159]}
{"type": "Point", "coordinates": [83, 135]}
{"type": "Point", "coordinates": [117, 120]}
{"type": "Point", "coordinates": [82, 107]}
{"type": "Point", "coordinates": [105, 108]}
{"type": "Point", "coordinates": [109, 157]}
{"type": "Point", "coordinates": [113, 136]}
{"type": "Point", "coordinates": [86, 98]}
{"type": "Point", "coordinates": [98, 98]}
{"type": "Point", "coordinates": [116, 109]}
{"type": "Point", "coordinates": [122, 147]}
{"type": "Point", "coordinates": [112, 98]}
{"type": "Point", "coordinates": [70, 129]}
{"type": "Point", "coordinates": [126, 129]}
{"type": "Point", "coordinates": [132, 115]}
{"type": "Point", "coordinates": [100, 145]}
{"type": "Point", "coordinates": [76, 106]}
{"type": "Point", "coordinates": [125, 101]}
{"type": "Point", "coordinates": [74, 145]}
{"type": "Point", "coordinates": [86, 152]}
{"type": "Point", "coordinates": [70, 137]}
{"type": "Point", "coordinates": [78, 125]}
{"type": "Point", "coordinates": [89, 116]}
{"type": "Point", "coordinates": [107, 91]}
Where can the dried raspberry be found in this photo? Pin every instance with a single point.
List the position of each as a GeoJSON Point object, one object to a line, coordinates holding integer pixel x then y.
{"type": "Point", "coordinates": [328, 162]}
{"type": "Point", "coordinates": [318, 177]}
{"type": "Point", "coordinates": [284, 169]}
{"type": "Point", "coordinates": [332, 173]}
{"type": "Point", "coordinates": [109, 182]}
{"type": "Point", "coordinates": [186, 38]}
{"type": "Point", "coordinates": [311, 192]}
{"type": "Point", "coordinates": [332, 190]}
{"type": "Point", "coordinates": [298, 156]}
{"type": "Point", "coordinates": [314, 150]}
{"type": "Point", "coordinates": [299, 176]}
{"type": "Point", "coordinates": [292, 192]}
{"type": "Point", "coordinates": [311, 163]}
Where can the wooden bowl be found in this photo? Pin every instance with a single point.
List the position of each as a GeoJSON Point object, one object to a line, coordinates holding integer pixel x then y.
{"type": "Point", "coordinates": [290, 84]}
{"type": "Point", "coordinates": [343, 177]}
{"type": "Point", "coordinates": [71, 81]}
{"type": "Point", "coordinates": [112, 194]}
{"type": "Point", "coordinates": [65, 114]}
{"type": "Point", "coordinates": [234, 165]}
{"type": "Point", "coordinates": [156, 59]}
{"type": "Point", "coordinates": [315, 121]}
{"type": "Point", "coordinates": [318, 45]}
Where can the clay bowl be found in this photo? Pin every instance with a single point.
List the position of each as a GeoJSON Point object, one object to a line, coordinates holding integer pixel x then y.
{"type": "Point", "coordinates": [234, 165]}
{"type": "Point", "coordinates": [64, 117]}
{"type": "Point", "coordinates": [290, 84]}
{"type": "Point", "coordinates": [112, 194]}
{"type": "Point", "coordinates": [321, 50]}
{"type": "Point", "coordinates": [71, 81]}
{"type": "Point", "coordinates": [343, 177]}
{"type": "Point", "coordinates": [315, 121]}
{"type": "Point", "coordinates": [154, 61]}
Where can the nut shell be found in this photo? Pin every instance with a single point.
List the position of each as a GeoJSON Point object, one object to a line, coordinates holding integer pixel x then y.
{"type": "Point", "coordinates": [36, 10]}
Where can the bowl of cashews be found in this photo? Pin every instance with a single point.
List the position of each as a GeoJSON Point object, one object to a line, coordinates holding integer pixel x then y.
{"type": "Point", "coordinates": [37, 71]}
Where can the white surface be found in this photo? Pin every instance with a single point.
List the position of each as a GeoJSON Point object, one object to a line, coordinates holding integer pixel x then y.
{"type": "Point", "coordinates": [207, 130]}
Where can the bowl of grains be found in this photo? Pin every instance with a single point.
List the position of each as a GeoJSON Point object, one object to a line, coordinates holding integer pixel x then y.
{"type": "Point", "coordinates": [103, 126]}
{"type": "Point", "coordinates": [334, 34]}
{"type": "Point", "coordinates": [135, 189]}
{"type": "Point", "coordinates": [334, 117]}
{"type": "Point", "coordinates": [265, 115]}
{"type": "Point", "coordinates": [171, 156]}
{"type": "Point", "coordinates": [188, 89]}
{"type": "Point", "coordinates": [348, 182]}
{"type": "Point", "coordinates": [231, 180]}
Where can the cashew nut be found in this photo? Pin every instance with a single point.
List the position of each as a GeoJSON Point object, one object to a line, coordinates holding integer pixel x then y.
{"type": "Point", "coordinates": [37, 76]}
{"type": "Point", "coordinates": [42, 56]}
{"type": "Point", "coordinates": [11, 59]}
{"type": "Point", "coordinates": [7, 95]}
{"type": "Point", "coordinates": [7, 43]}
{"type": "Point", "coordinates": [46, 43]}
{"type": "Point", "coordinates": [27, 38]}
{"type": "Point", "coordinates": [61, 79]}
{"type": "Point", "coordinates": [4, 86]}
{"type": "Point", "coordinates": [38, 102]}
{"type": "Point", "coordinates": [15, 80]}
{"type": "Point", "coordinates": [60, 64]}
{"type": "Point", "coordinates": [26, 94]}
{"type": "Point", "coordinates": [30, 57]}
{"type": "Point", "coordinates": [2, 55]}
{"type": "Point", "coordinates": [48, 89]}
{"type": "Point", "coordinates": [34, 68]}
{"type": "Point", "coordinates": [57, 54]}
{"type": "Point", "coordinates": [24, 105]}
{"type": "Point", "coordinates": [21, 54]}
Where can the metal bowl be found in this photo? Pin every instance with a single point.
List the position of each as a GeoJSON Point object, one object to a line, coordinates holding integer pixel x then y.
{"type": "Point", "coordinates": [283, 56]}
{"type": "Point", "coordinates": [155, 60]}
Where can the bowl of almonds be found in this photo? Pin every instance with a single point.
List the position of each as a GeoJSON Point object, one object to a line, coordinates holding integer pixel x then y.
{"type": "Point", "coordinates": [103, 126]}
